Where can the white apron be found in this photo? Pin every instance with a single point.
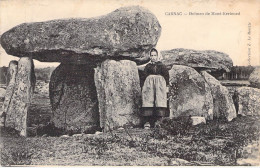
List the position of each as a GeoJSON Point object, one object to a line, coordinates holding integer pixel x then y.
{"type": "Point", "coordinates": [154, 93]}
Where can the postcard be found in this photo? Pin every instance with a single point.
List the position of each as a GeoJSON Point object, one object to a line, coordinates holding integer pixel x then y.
{"type": "Point", "coordinates": [130, 83]}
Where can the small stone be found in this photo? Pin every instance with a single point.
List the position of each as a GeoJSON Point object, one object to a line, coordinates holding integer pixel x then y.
{"type": "Point", "coordinates": [177, 162]}
{"type": "Point", "coordinates": [64, 136]}
{"type": "Point", "coordinates": [98, 132]}
{"type": "Point", "coordinates": [198, 120]}
{"type": "Point", "coordinates": [77, 135]}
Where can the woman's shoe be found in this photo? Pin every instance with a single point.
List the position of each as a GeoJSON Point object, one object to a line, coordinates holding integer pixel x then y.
{"type": "Point", "coordinates": [147, 125]}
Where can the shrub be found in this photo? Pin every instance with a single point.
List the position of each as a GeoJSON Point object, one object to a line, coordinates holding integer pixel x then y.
{"type": "Point", "coordinates": [170, 127]}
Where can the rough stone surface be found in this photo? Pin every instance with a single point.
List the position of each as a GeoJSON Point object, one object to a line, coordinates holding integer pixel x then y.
{"type": "Point", "coordinates": [12, 71]}
{"type": "Point", "coordinates": [223, 103]}
{"type": "Point", "coordinates": [119, 93]}
{"type": "Point", "coordinates": [254, 78]}
{"type": "Point", "coordinates": [73, 97]}
{"type": "Point", "coordinates": [126, 33]}
{"type": "Point", "coordinates": [189, 94]}
{"type": "Point", "coordinates": [207, 59]}
{"type": "Point", "coordinates": [198, 120]}
{"type": "Point", "coordinates": [16, 115]}
{"type": "Point", "coordinates": [2, 93]}
{"type": "Point", "coordinates": [177, 162]}
{"type": "Point", "coordinates": [249, 101]}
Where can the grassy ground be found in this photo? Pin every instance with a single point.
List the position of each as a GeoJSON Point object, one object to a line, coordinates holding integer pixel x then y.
{"type": "Point", "coordinates": [216, 143]}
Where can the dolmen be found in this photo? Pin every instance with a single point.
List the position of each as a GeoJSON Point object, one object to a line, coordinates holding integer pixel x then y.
{"type": "Point", "coordinates": [193, 91]}
{"type": "Point", "coordinates": [97, 81]}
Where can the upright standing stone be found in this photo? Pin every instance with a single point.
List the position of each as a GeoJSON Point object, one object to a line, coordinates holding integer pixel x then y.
{"type": "Point", "coordinates": [249, 101]}
{"type": "Point", "coordinates": [119, 93]}
{"type": "Point", "coordinates": [16, 116]}
{"type": "Point", "coordinates": [73, 97]}
{"type": "Point", "coordinates": [223, 103]}
{"type": "Point", "coordinates": [189, 94]}
{"type": "Point", "coordinates": [11, 78]}
{"type": "Point", "coordinates": [254, 78]}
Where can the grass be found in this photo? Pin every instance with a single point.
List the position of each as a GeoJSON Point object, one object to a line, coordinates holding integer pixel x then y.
{"type": "Point", "coordinates": [216, 143]}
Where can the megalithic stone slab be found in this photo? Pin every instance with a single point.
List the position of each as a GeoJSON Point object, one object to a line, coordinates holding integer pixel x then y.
{"type": "Point", "coordinates": [223, 103]}
{"type": "Point", "coordinates": [119, 93]}
{"type": "Point", "coordinates": [11, 78]}
{"type": "Point", "coordinates": [11, 72]}
{"type": "Point", "coordinates": [73, 97]}
{"type": "Point", "coordinates": [189, 94]}
{"type": "Point", "coordinates": [16, 116]}
{"type": "Point", "coordinates": [207, 59]}
{"type": "Point", "coordinates": [126, 33]}
{"type": "Point", "coordinates": [249, 101]}
{"type": "Point", "coordinates": [254, 78]}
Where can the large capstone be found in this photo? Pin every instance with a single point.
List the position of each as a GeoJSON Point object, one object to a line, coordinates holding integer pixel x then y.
{"type": "Point", "coordinates": [18, 100]}
{"type": "Point", "coordinates": [126, 33]}
{"type": "Point", "coordinates": [119, 93]}
{"type": "Point", "coordinates": [189, 94]}
{"type": "Point", "coordinates": [73, 98]}
{"type": "Point", "coordinates": [208, 59]}
{"type": "Point", "coordinates": [249, 101]}
{"type": "Point", "coordinates": [223, 104]}
{"type": "Point", "coordinates": [254, 78]}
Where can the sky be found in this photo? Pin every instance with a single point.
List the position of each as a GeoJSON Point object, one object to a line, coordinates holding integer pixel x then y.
{"type": "Point", "coordinates": [224, 33]}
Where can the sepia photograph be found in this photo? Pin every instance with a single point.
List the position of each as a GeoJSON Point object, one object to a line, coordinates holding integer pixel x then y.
{"type": "Point", "coordinates": [129, 83]}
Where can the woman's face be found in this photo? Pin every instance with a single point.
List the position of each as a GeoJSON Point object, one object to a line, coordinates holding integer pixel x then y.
{"type": "Point", "coordinates": [153, 56]}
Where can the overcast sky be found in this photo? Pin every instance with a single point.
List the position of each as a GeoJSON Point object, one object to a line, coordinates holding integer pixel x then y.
{"type": "Point", "coordinates": [227, 34]}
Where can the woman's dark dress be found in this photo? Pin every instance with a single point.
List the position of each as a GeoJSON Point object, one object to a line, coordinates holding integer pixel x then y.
{"type": "Point", "coordinates": [154, 92]}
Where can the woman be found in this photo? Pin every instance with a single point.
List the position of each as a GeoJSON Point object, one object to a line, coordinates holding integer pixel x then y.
{"type": "Point", "coordinates": [154, 91]}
